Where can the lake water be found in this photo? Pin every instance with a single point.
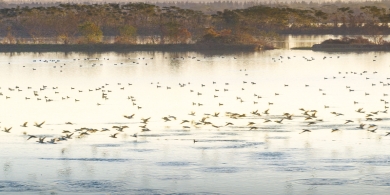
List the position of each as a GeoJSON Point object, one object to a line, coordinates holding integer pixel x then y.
{"type": "Point", "coordinates": [249, 156]}
{"type": "Point", "coordinates": [285, 41]}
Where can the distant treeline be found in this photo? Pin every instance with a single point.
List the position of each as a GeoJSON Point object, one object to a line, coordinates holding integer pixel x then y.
{"type": "Point", "coordinates": [207, 6]}
{"type": "Point", "coordinates": [135, 23]}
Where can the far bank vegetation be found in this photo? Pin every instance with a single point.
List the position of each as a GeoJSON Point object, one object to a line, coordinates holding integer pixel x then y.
{"type": "Point", "coordinates": [141, 23]}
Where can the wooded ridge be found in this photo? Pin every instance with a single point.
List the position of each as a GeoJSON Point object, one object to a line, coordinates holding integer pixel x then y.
{"type": "Point", "coordinates": [141, 23]}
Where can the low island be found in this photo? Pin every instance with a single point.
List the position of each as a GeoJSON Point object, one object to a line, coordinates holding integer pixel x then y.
{"type": "Point", "coordinates": [352, 44]}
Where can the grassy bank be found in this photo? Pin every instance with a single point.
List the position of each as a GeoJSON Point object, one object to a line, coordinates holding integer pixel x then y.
{"type": "Point", "coordinates": [124, 48]}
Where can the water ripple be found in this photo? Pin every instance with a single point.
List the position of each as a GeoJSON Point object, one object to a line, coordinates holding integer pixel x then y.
{"type": "Point", "coordinates": [220, 169]}
{"type": "Point", "coordinates": [174, 163]}
{"type": "Point", "coordinates": [338, 168]}
{"type": "Point", "coordinates": [89, 186]}
{"type": "Point", "coordinates": [19, 186]}
{"type": "Point", "coordinates": [107, 145]}
{"type": "Point", "coordinates": [324, 181]}
{"type": "Point", "coordinates": [90, 159]}
{"type": "Point", "coordinates": [376, 180]}
{"type": "Point", "coordinates": [271, 155]}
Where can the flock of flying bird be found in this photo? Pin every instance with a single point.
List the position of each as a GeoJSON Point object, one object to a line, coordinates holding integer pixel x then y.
{"type": "Point", "coordinates": [254, 120]}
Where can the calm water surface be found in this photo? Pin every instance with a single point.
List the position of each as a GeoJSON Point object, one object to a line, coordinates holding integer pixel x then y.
{"type": "Point", "coordinates": [249, 156]}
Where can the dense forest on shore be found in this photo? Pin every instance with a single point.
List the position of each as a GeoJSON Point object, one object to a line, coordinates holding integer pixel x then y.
{"type": "Point", "coordinates": [141, 23]}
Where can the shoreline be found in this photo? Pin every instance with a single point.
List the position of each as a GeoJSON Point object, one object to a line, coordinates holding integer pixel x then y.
{"type": "Point", "coordinates": [349, 47]}
{"type": "Point", "coordinates": [90, 48]}
{"type": "Point", "coordinates": [344, 47]}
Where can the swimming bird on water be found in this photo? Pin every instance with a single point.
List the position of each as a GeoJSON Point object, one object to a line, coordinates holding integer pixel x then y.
{"type": "Point", "coordinates": [114, 135]}
{"type": "Point", "coordinates": [337, 114]}
{"type": "Point", "coordinates": [348, 121]}
{"type": "Point", "coordinates": [145, 120]}
{"type": "Point", "coordinates": [360, 110]}
{"type": "Point", "coordinates": [52, 141]}
{"type": "Point", "coordinates": [104, 129]}
{"type": "Point", "coordinates": [69, 136]}
{"type": "Point", "coordinates": [184, 121]}
{"type": "Point", "coordinates": [145, 129]}
{"type": "Point", "coordinates": [7, 130]}
{"type": "Point", "coordinates": [228, 123]}
{"type": "Point", "coordinates": [279, 121]}
{"type": "Point", "coordinates": [129, 117]}
{"type": "Point", "coordinates": [120, 128]}
{"type": "Point", "coordinates": [288, 117]}
{"type": "Point", "coordinates": [361, 126]}
{"type": "Point", "coordinates": [207, 123]}
{"type": "Point", "coordinates": [372, 130]}
{"type": "Point", "coordinates": [170, 116]}
{"type": "Point", "coordinates": [375, 112]}
{"type": "Point", "coordinates": [41, 139]}
{"type": "Point", "coordinates": [250, 123]}
{"type": "Point", "coordinates": [372, 126]}
{"type": "Point", "coordinates": [24, 124]}
{"type": "Point", "coordinates": [39, 125]}
{"type": "Point", "coordinates": [31, 136]}
{"type": "Point", "coordinates": [84, 133]}
{"type": "Point", "coordinates": [305, 130]}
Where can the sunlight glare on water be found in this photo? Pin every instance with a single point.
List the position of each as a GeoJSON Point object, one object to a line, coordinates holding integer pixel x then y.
{"type": "Point", "coordinates": [95, 91]}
